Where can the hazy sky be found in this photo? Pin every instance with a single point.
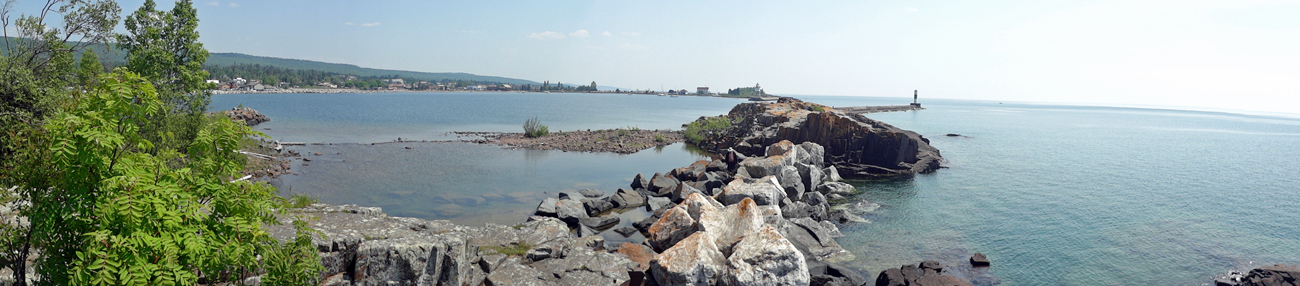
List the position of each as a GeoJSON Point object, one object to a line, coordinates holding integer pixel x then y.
{"type": "Point", "coordinates": [1215, 54]}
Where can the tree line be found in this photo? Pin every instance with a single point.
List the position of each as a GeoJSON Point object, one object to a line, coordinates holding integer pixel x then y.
{"type": "Point", "coordinates": [120, 177]}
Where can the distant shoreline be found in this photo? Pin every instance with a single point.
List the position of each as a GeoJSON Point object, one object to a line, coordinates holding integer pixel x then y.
{"type": "Point", "coordinates": [351, 90]}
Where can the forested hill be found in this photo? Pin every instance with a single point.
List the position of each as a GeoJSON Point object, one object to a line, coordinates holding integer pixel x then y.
{"type": "Point", "coordinates": [228, 59]}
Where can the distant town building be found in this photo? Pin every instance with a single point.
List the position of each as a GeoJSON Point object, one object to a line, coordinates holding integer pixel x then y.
{"type": "Point", "coordinates": [702, 90]}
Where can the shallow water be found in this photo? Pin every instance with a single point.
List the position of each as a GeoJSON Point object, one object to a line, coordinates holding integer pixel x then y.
{"type": "Point", "coordinates": [1054, 195]}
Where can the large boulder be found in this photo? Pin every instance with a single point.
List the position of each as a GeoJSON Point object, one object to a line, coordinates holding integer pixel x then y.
{"type": "Point", "coordinates": [662, 185]}
{"type": "Point", "coordinates": [1275, 275]}
{"type": "Point", "coordinates": [654, 204]}
{"type": "Point", "coordinates": [639, 182]}
{"type": "Point", "coordinates": [764, 191]}
{"type": "Point", "coordinates": [927, 273]}
{"type": "Point", "coordinates": [682, 191]}
{"type": "Point", "coordinates": [596, 206]}
{"type": "Point", "coordinates": [812, 176]}
{"type": "Point", "coordinates": [547, 207]}
{"type": "Point", "coordinates": [514, 274]}
{"type": "Point", "coordinates": [764, 257]}
{"type": "Point", "coordinates": [600, 222]}
{"type": "Point", "coordinates": [729, 225]}
{"type": "Point", "coordinates": [812, 154]}
{"type": "Point", "coordinates": [626, 199]}
{"type": "Point", "coordinates": [591, 193]}
{"type": "Point", "coordinates": [640, 254]}
{"type": "Point", "coordinates": [570, 211]}
{"type": "Point", "coordinates": [425, 260]}
{"type": "Point", "coordinates": [694, 260]}
{"type": "Point", "coordinates": [836, 188]}
{"type": "Point", "coordinates": [791, 182]}
{"type": "Point", "coordinates": [675, 225]}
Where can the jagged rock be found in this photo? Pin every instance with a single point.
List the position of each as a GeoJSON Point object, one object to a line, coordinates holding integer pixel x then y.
{"type": "Point", "coordinates": [682, 191]}
{"type": "Point", "coordinates": [1274, 275]}
{"type": "Point", "coordinates": [639, 182]}
{"type": "Point", "coordinates": [662, 185]}
{"type": "Point", "coordinates": [764, 191]}
{"type": "Point", "coordinates": [413, 260]}
{"type": "Point", "coordinates": [596, 206]}
{"type": "Point", "coordinates": [600, 222]}
{"type": "Point", "coordinates": [716, 165]}
{"type": "Point", "coordinates": [625, 231]}
{"type": "Point", "coordinates": [782, 148]}
{"type": "Point", "coordinates": [627, 199]}
{"type": "Point", "coordinates": [843, 216]}
{"type": "Point", "coordinates": [856, 145]}
{"type": "Point", "coordinates": [697, 204]}
{"type": "Point", "coordinates": [675, 225]}
{"type": "Point", "coordinates": [246, 115]}
{"type": "Point", "coordinates": [729, 225]}
{"type": "Point", "coordinates": [758, 167]}
{"type": "Point", "coordinates": [808, 243]}
{"type": "Point", "coordinates": [825, 236]}
{"type": "Point", "coordinates": [645, 224]}
{"type": "Point", "coordinates": [812, 154]}
{"type": "Point", "coordinates": [764, 257]}
{"type": "Point", "coordinates": [928, 273]}
{"type": "Point", "coordinates": [515, 274]}
{"type": "Point", "coordinates": [547, 207]}
{"type": "Point", "coordinates": [832, 174]}
{"type": "Point", "coordinates": [791, 182]}
{"type": "Point", "coordinates": [570, 211]}
{"type": "Point", "coordinates": [979, 260]}
{"type": "Point", "coordinates": [640, 254]}
{"type": "Point", "coordinates": [583, 230]}
{"type": "Point", "coordinates": [654, 204]}
{"type": "Point", "coordinates": [837, 188]}
{"type": "Point", "coordinates": [694, 260]}
{"type": "Point", "coordinates": [811, 175]}
{"type": "Point", "coordinates": [591, 193]}
{"type": "Point", "coordinates": [818, 205]}
{"type": "Point", "coordinates": [491, 262]}
{"type": "Point", "coordinates": [833, 274]}
{"type": "Point", "coordinates": [796, 210]}
{"type": "Point", "coordinates": [544, 251]}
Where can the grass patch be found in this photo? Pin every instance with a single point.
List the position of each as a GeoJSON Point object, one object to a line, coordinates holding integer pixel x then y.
{"type": "Point", "coordinates": [623, 132]}
{"type": "Point", "coordinates": [706, 128]}
{"type": "Point", "coordinates": [660, 138]}
{"type": "Point", "coordinates": [534, 128]}
{"type": "Point", "coordinates": [512, 249]}
{"type": "Point", "coordinates": [298, 201]}
{"type": "Point", "coordinates": [818, 109]}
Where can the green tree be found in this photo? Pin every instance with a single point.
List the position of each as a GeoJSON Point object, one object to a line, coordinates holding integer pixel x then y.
{"type": "Point", "coordinates": [163, 47]}
{"type": "Point", "coordinates": [89, 68]}
{"type": "Point", "coordinates": [593, 85]}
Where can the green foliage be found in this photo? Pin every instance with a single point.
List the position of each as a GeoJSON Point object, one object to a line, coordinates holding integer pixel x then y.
{"type": "Point", "coordinates": [298, 201]}
{"type": "Point", "coordinates": [623, 132]}
{"type": "Point", "coordinates": [818, 108]}
{"type": "Point", "coordinates": [163, 47]}
{"type": "Point", "coordinates": [294, 263]}
{"type": "Point", "coordinates": [634, 128]}
{"type": "Point", "coordinates": [232, 59]}
{"type": "Point", "coordinates": [533, 128]}
{"type": "Point", "coordinates": [104, 211]}
{"type": "Point", "coordinates": [89, 68]}
{"type": "Point", "coordinates": [660, 138]}
{"type": "Point", "coordinates": [705, 128]}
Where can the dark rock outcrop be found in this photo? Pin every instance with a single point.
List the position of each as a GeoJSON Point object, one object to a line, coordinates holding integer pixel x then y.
{"type": "Point", "coordinates": [858, 146]}
{"type": "Point", "coordinates": [1274, 275]}
{"type": "Point", "coordinates": [927, 273]}
{"type": "Point", "coordinates": [246, 115]}
{"type": "Point", "coordinates": [979, 260]}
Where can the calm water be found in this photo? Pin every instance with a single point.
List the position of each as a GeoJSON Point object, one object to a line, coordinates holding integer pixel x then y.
{"type": "Point", "coordinates": [1054, 195]}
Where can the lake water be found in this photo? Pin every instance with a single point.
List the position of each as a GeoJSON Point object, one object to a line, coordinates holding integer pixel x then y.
{"type": "Point", "coordinates": [1054, 195]}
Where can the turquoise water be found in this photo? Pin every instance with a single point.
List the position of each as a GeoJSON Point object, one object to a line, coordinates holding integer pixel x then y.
{"type": "Point", "coordinates": [1054, 195]}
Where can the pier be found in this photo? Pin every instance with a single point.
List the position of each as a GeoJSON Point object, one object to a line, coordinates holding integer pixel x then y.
{"type": "Point", "coordinates": [878, 109]}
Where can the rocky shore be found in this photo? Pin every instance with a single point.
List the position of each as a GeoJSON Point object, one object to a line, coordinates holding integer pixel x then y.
{"type": "Point", "coordinates": [621, 141]}
{"type": "Point", "coordinates": [247, 115]}
{"type": "Point", "coordinates": [859, 146]}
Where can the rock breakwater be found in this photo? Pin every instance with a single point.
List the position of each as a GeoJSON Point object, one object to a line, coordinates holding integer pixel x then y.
{"type": "Point", "coordinates": [857, 145]}
{"type": "Point", "coordinates": [247, 115]}
{"type": "Point", "coordinates": [621, 141]}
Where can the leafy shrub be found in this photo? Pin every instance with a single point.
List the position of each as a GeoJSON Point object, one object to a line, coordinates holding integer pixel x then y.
{"type": "Point", "coordinates": [623, 132]}
{"type": "Point", "coordinates": [705, 128]}
{"type": "Point", "coordinates": [533, 128]}
{"type": "Point", "coordinates": [296, 262]}
{"type": "Point", "coordinates": [109, 208]}
{"type": "Point", "coordinates": [660, 138]}
{"type": "Point", "coordinates": [818, 108]}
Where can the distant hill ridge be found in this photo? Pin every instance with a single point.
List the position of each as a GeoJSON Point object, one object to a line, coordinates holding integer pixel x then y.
{"type": "Point", "coordinates": [227, 59]}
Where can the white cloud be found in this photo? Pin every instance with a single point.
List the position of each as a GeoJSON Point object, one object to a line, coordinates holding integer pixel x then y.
{"type": "Point", "coordinates": [214, 3]}
{"type": "Point", "coordinates": [634, 34]}
{"type": "Point", "coordinates": [370, 24]}
{"type": "Point", "coordinates": [350, 23]}
{"type": "Point", "coordinates": [234, 5]}
{"type": "Point", "coordinates": [579, 34]}
{"type": "Point", "coordinates": [606, 33]}
{"type": "Point", "coordinates": [633, 47]}
{"type": "Point", "coordinates": [546, 35]}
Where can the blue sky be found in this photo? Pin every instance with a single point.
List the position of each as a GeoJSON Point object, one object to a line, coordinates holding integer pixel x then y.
{"type": "Point", "coordinates": [1242, 55]}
